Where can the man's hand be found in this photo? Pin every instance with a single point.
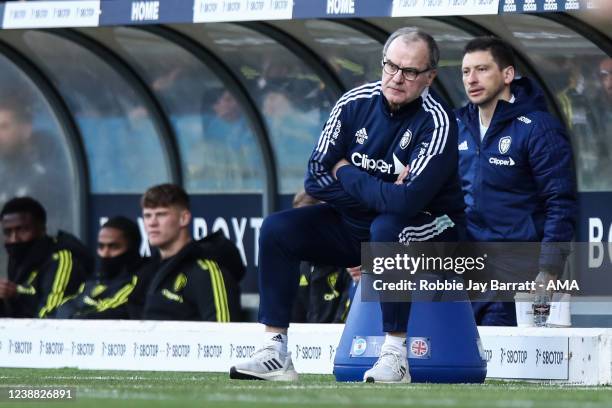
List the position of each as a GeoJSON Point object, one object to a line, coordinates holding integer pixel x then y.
{"type": "Point", "coordinates": [342, 162]}
{"type": "Point", "coordinates": [355, 273]}
{"type": "Point", "coordinates": [7, 289]}
{"type": "Point", "coordinates": [402, 176]}
{"type": "Point", "coordinates": [541, 282]}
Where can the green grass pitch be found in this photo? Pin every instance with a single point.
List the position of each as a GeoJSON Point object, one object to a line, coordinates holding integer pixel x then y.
{"type": "Point", "coordinates": [171, 389]}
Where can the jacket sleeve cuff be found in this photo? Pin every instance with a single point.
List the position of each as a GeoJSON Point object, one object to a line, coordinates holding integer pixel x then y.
{"type": "Point", "coordinates": [553, 256]}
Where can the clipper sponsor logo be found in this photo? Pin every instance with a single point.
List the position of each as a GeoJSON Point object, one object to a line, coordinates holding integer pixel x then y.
{"type": "Point", "coordinates": [145, 11]}
{"type": "Point", "coordinates": [509, 6]}
{"type": "Point", "coordinates": [463, 145]}
{"type": "Point", "coordinates": [308, 353]}
{"type": "Point", "coordinates": [340, 6]}
{"type": "Point", "coordinates": [406, 138]}
{"type": "Point", "coordinates": [363, 161]}
{"type": "Point", "coordinates": [504, 144]}
{"type": "Point", "coordinates": [209, 350]}
{"type": "Point", "coordinates": [361, 135]}
{"type": "Point", "coordinates": [502, 162]}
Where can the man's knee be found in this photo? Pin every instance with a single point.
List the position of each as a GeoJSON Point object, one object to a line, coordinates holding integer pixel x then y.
{"type": "Point", "coordinates": [277, 225]}
{"type": "Point", "coordinates": [385, 228]}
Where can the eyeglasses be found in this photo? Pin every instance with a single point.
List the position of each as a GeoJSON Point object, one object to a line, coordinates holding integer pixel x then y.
{"type": "Point", "coordinates": [604, 73]}
{"type": "Point", "coordinates": [409, 74]}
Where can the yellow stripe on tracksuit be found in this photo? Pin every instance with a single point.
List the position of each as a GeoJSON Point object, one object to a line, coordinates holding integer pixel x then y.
{"type": "Point", "coordinates": [218, 289]}
{"type": "Point", "coordinates": [120, 297]}
{"type": "Point", "coordinates": [60, 282]}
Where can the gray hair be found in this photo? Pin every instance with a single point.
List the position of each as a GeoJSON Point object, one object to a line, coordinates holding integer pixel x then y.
{"type": "Point", "coordinates": [409, 35]}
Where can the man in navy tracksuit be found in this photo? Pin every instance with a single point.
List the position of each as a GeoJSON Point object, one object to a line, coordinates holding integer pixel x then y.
{"type": "Point", "coordinates": [386, 168]}
{"type": "Point", "coordinates": [516, 170]}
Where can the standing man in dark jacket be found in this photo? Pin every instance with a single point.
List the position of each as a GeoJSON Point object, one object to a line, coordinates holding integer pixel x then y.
{"type": "Point", "coordinates": [190, 280]}
{"type": "Point", "coordinates": [516, 169]}
{"type": "Point", "coordinates": [42, 270]}
{"type": "Point", "coordinates": [106, 295]}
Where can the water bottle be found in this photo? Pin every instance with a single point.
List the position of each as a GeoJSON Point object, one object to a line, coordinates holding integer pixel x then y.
{"type": "Point", "coordinates": [541, 309]}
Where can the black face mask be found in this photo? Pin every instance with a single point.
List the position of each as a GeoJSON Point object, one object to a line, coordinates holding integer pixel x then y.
{"type": "Point", "coordinates": [108, 268]}
{"type": "Point", "coordinates": [19, 250]}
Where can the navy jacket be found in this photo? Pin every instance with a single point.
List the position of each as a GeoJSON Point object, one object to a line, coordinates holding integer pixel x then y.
{"type": "Point", "coordinates": [379, 144]}
{"type": "Point", "coordinates": [519, 182]}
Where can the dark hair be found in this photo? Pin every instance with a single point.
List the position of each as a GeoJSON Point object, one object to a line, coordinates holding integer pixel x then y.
{"type": "Point", "coordinates": [26, 205]}
{"type": "Point", "coordinates": [502, 52]}
{"type": "Point", "coordinates": [129, 228]}
{"type": "Point", "coordinates": [409, 35]}
{"type": "Point", "coordinates": [165, 195]}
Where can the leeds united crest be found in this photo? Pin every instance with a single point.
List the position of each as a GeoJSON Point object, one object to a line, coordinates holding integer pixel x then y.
{"type": "Point", "coordinates": [504, 144]}
{"type": "Point", "coordinates": [406, 138]}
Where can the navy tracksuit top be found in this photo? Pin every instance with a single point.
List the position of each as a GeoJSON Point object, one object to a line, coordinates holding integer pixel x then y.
{"type": "Point", "coordinates": [379, 143]}
{"type": "Point", "coordinates": [519, 182]}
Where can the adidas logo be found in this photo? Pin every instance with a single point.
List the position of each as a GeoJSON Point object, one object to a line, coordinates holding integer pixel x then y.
{"type": "Point", "coordinates": [272, 364]}
{"type": "Point", "coordinates": [278, 338]}
{"type": "Point", "coordinates": [524, 119]}
{"type": "Point", "coordinates": [361, 135]}
{"type": "Point", "coordinates": [463, 145]}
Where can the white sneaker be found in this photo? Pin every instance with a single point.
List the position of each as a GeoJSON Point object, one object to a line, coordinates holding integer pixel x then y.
{"type": "Point", "coordinates": [391, 367]}
{"type": "Point", "coordinates": [266, 364]}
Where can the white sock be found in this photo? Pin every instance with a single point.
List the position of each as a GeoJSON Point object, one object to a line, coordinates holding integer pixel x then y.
{"type": "Point", "coordinates": [276, 340]}
{"type": "Point", "coordinates": [397, 343]}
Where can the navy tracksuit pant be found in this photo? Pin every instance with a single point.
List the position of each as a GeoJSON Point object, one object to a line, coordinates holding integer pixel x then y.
{"type": "Point", "coordinates": [319, 235]}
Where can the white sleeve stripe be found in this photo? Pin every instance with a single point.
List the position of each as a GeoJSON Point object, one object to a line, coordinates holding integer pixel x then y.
{"type": "Point", "coordinates": [325, 138]}
{"type": "Point", "coordinates": [438, 123]}
{"type": "Point", "coordinates": [329, 125]}
{"type": "Point", "coordinates": [443, 113]}
{"type": "Point", "coordinates": [326, 135]}
{"type": "Point", "coordinates": [431, 150]}
{"type": "Point", "coordinates": [322, 176]}
{"type": "Point", "coordinates": [440, 133]}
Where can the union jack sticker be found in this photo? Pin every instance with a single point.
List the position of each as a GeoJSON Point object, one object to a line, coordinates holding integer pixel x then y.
{"type": "Point", "coordinates": [419, 347]}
